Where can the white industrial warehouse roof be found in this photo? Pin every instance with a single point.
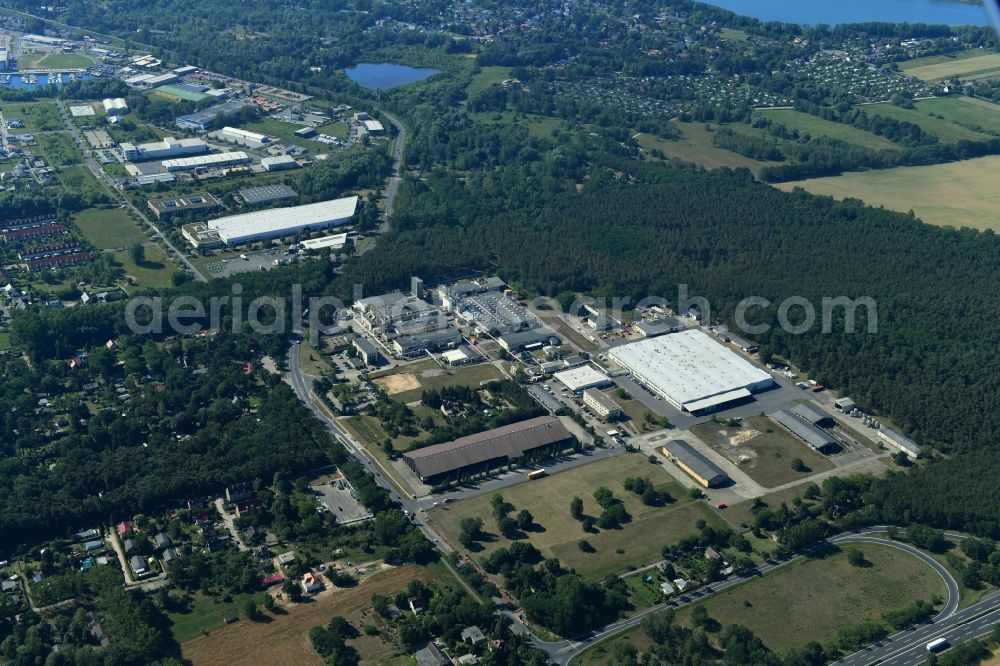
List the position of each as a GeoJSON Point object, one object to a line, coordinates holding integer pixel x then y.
{"type": "Point", "coordinates": [335, 240]}
{"type": "Point", "coordinates": [205, 160]}
{"type": "Point", "coordinates": [276, 219]}
{"type": "Point", "coordinates": [716, 400]}
{"type": "Point", "coordinates": [582, 378]}
{"type": "Point", "coordinates": [689, 366]}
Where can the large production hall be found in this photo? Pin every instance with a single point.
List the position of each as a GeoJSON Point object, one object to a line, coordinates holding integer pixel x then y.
{"type": "Point", "coordinates": [691, 371]}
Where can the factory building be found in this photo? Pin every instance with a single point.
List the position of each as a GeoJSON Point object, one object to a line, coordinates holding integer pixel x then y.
{"type": "Point", "coordinates": [899, 442]}
{"type": "Point", "coordinates": [417, 345]}
{"type": "Point", "coordinates": [582, 378]}
{"type": "Point", "coordinates": [491, 311]}
{"type": "Point", "coordinates": [280, 222]}
{"type": "Point", "coordinates": [213, 161]}
{"type": "Point", "coordinates": [601, 405]}
{"type": "Point", "coordinates": [373, 127]}
{"type": "Point", "coordinates": [695, 465]}
{"type": "Point", "coordinates": [394, 314]}
{"type": "Point", "coordinates": [528, 340]}
{"type": "Point", "coordinates": [367, 352]}
{"type": "Point", "coordinates": [810, 413]}
{"type": "Point", "coordinates": [202, 120]}
{"type": "Point", "coordinates": [199, 201]}
{"type": "Point", "coordinates": [265, 194]}
{"type": "Point", "coordinates": [812, 436]}
{"type": "Point", "coordinates": [242, 137]}
{"type": "Point", "coordinates": [490, 450]}
{"type": "Point", "coordinates": [691, 371]}
{"type": "Point", "coordinates": [165, 149]}
{"type": "Point", "coordinates": [845, 405]}
{"type": "Point", "coordinates": [161, 79]}
{"type": "Point", "coordinates": [661, 326]}
{"type": "Point", "coordinates": [331, 242]}
{"type": "Point", "coordinates": [279, 163]}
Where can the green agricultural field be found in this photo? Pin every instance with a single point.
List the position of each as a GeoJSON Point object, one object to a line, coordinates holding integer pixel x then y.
{"type": "Point", "coordinates": [36, 116]}
{"type": "Point", "coordinates": [109, 228]}
{"type": "Point", "coordinates": [769, 447]}
{"type": "Point", "coordinates": [406, 383]}
{"type": "Point", "coordinates": [946, 131]}
{"type": "Point", "coordinates": [695, 145]}
{"type": "Point", "coordinates": [557, 534]}
{"type": "Point", "coordinates": [973, 63]}
{"type": "Point", "coordinates": [810, 599]}
{"type": "Point", "coordinates": [805, 122]}
{"type": "Point", "coordinates": [957, 194]}
{"type": "Point", "coordinates": [62, 61]}
{"type": "Point", "coordinates": [974, 114]}
{"type": "Point", "coordinates": [486, 78]}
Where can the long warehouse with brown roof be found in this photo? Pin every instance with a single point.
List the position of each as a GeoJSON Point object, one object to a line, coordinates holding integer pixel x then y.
{"type": "Point", "coordinates": [487, 450]}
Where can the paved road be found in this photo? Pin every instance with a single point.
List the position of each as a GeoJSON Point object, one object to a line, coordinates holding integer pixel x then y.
{"type": "Point", "coordinates": [227, 518]}
{"type": "Point", "coordinates": [102, 176]}
{"type": "Point", "coordinates": [392, 187]}
{"type": "Point", "coordinates": [301, 384]}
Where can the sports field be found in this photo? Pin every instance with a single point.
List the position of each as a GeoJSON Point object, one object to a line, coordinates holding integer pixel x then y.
{"type": "Point", "coordinates": [557, 533]}
{"type": "Point", "coordinates": [958, 194]}
{"type": "Point", "coordinates": [762, 449]}
{"type": "Point", "coordinates": [805, 122]}
{"type": "Point", "coordinates": [976, 65]}
{"type": "Point", "coordinates": [811, 599]}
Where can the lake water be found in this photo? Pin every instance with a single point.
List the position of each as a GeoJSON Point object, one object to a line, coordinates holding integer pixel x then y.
{"type": "Point", "coordinates": [811, 12]}
{"type": "Point", "coordinates": [22, 80]}
{"type": "Point", "coordinates": [387, 75]}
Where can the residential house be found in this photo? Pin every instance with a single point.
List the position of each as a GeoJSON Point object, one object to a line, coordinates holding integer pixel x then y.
{"type": "Point", "coordinates": [473, 636]}
{"type": "Point", "coordinates": [311, 583]}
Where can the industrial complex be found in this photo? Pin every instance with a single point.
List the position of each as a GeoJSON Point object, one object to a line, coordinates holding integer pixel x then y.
{"type": "Point", "coordinates": [488, 450]}
{"type": "Point", "coordinates": [271, 223]}
{"type": "Point", "coordinates": [695, 465]}
{"type": "Point", "coordinates": [691, 371]}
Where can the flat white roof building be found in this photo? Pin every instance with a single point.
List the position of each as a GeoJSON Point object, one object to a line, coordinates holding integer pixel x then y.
{"type": "Point", "coordinates": [116, 106]}
{"type": "Point", "coordinates": [278, 222]}
{"type": "Point", "coordinates": [373, 126]}
{"type": "Point", "coordinates": [208, 161]}
{"type": "Point", "coordinates": [582, 378]}
{"type": "Point", "coordinates": [279, 163]}
{"type": "Point", "coordinates": [167, 148]}
{"type": "Point", "coordinates": [691, 371]}
{"type": "Point", "coordinates": [243, 137]}
{"type": "Point", "coordinates": [336, 241]}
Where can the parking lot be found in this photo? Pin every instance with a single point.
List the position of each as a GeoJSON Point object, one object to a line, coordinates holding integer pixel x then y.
{"type": "Point", "coordinates": [337, 496]}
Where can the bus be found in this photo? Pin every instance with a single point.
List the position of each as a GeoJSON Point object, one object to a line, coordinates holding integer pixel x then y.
{"type": "Point", "coordinates": [537, 474]}
{"type": "Point", "coordinates": [937, 645]}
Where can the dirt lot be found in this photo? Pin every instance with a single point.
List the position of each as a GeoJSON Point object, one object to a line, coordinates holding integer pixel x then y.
{"type": "Point", "coordinates": [394, 384]}
{"type": "Point", "coordinates": [762, 449]}
{"type": "Point", "coordinates": [282, 639]}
